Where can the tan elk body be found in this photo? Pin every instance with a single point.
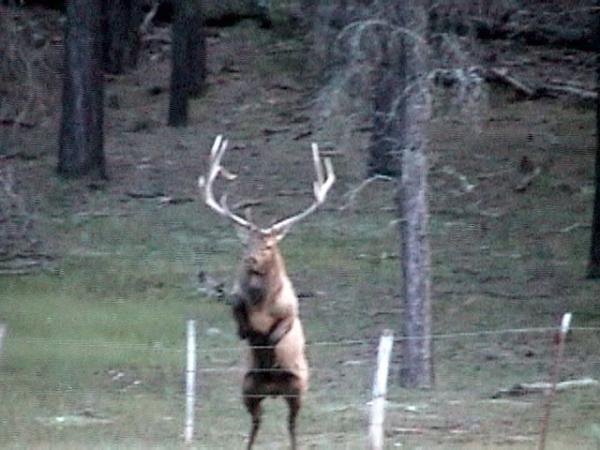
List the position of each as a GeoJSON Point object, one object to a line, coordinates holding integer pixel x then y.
{"type": "Point", "coordinates": [265, 305]}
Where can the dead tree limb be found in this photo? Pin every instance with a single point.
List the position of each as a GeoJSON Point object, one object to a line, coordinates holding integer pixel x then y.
{"type": "Point", "coordinates": [559, 89]}
{"type": "Point", "coordinates": [541, 387]}
{"type": "Point", "coordinates": [351, 195]}
{"type": "Point", "coordinates": [501, 75]}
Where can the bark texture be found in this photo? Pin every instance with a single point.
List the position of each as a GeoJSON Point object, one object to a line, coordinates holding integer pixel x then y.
{"type": "Point", "coordinates": [389, 99]}
{"type": "Point", "coordinates": [594, 265]}
{"type": "Point", "coordinates": [122, 19]}
{"type": "Point", "coordinates": [81, 141]}
{"type": "Point", "coordinates": [188, 59]}
{"type": "Point", "coordinates": [196, 55]}
{"type": "Point", "coordinates": [417, 345]}
{"type": "Point", "coordinates": [389, 104]}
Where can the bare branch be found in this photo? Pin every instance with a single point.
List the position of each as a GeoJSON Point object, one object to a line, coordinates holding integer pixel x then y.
{"type": "Point", "coordinates": [353, 193]}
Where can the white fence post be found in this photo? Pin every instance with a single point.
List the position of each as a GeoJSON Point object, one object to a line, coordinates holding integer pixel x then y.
{"type": "Point", "coordinates": [380, 390]}
{"type": "Point", "coordinates": [554, 375]}
{"type": "Point", "coordinates": [190, 382]}
{"type": "Point", "coordinates": [2, 334]}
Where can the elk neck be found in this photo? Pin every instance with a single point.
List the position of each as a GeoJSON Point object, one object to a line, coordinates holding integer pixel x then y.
{"type": "Point", "coordinates": [263, 284]}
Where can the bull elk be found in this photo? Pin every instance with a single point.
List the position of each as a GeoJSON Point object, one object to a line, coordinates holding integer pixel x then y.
{"type": "Point", "coordinates": [265, 305]}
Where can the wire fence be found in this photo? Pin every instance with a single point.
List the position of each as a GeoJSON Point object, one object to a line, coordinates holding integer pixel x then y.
{"type": "Point", "coordinates": [338, 343]}
{"type": "Point", "coordinates": [485, 394]}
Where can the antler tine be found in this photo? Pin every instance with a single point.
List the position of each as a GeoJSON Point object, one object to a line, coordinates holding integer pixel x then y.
{"type": "Point", "coordinates": [206, 183]}
{"type": "Point", "coordinates": [317, 162]}
{"type": "Point", "coordinates": [321, 187]}
{"type": "Point", "coordinates": [330, 179]}
{"type": "Point", "coordinates": [216, 146]}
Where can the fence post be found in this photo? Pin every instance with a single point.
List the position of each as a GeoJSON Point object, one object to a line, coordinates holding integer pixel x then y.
{"type": "Point", "coordinates": [554, 375]}
{"type": "Point", "coordinates": [380, 390]}
{"type": "Point", "coordinates": [2, 334]}
{"type": "Point", "coordinates": [190, 382]}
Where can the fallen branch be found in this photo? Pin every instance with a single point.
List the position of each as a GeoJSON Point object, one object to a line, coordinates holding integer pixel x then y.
{"type": "Point", "coordinates": [573, 227]}
{"type": "Point", "coordinates": [556, 89]}
{"type": "Point", "coordinates": [542, 387]}
{"type": "Point", "coordinates": [501, 75]}
{"type": "Point", "coordinates": [302, 134]}
{"type": "Point", "coordinates": [168, 200]}
{"type": "Point", "coordinates": [144, 194]}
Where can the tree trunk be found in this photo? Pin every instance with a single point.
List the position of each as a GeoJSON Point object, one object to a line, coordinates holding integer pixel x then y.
{"type": "Point", "coordinates": [122, 19]}
{"type": "Point", "coordinates": [188, 60]}
{"type": "Point", "coordinates": [594, 265]}
{"type": "Point", "coordinates": [417, 345]}
{"type": "Point", "coordinates": [196, 50]}
{"type": "Point", "coordinates": [389, 101]}
{"type": "Point", "coordinates": [389, 104]}
{"type": "Point", "coordinates": [81, 142]}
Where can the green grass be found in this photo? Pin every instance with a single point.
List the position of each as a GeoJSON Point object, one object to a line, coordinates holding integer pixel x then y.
{"type": "Point", "coordinates": [98, 341]}
{"type": "Point", "coordinates": [94, 355]}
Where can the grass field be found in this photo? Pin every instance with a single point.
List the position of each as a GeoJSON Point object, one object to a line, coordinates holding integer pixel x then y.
{"type": "Point", "coordinates": [94, 355]}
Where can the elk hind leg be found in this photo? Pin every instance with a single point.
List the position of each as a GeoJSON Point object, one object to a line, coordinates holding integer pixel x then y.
{"type": "Point", "coordinates": [294, 401]}
{"type": "Point", "coordinates": [252, 400]}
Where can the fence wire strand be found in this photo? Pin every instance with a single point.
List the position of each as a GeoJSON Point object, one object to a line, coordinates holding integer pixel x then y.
{"type": "Point", "coordinates": [157, 347]}
{"type": "Point", "coordinates": [341, 375]}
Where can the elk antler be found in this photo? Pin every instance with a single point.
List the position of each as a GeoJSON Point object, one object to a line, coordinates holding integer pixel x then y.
{"type": "Point", "coordinates": [321, 187]}
{"type": "Point", "coordinates": [206, 183]}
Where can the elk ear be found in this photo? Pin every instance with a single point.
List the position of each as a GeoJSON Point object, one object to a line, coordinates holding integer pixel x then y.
{"type": "Point", "coordinates": [243, 234]}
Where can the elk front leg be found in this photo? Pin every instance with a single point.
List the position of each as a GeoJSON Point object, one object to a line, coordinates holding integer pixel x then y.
{"type": "Point", "coordinates": [280, 329]}
{"type": "Point", "coordinates": [240, 314]}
